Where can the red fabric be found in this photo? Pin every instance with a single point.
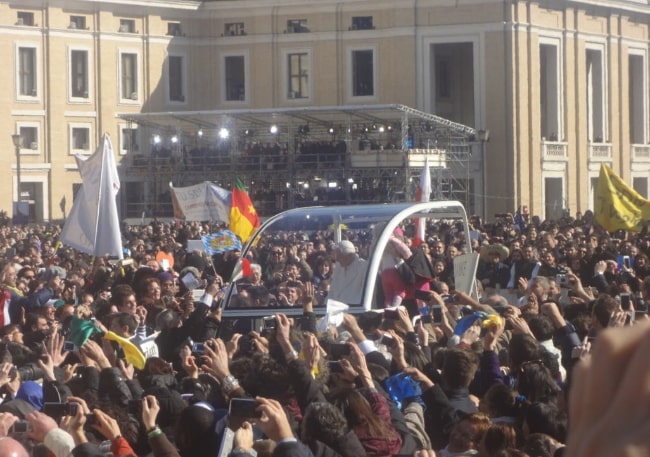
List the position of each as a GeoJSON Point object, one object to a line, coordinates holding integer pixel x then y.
{"type": "Point", "coordinates": [5, 300]}
{"type": "Point", "coordinates": [392, 284]}
{"type": "Point", "coordinates": [379, 446]}
{"type": "Point", "coordinates": [120, 447]}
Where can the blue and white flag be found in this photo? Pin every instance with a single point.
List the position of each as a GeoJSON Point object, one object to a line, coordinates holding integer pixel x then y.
{"type": "Point", "coordinates": [219, 242]}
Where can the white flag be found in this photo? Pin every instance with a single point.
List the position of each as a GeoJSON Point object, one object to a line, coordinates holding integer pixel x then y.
{"type": "Point", "coordinates": [93, 225]}
{"type": "Point", "coordinates": [423, 194]}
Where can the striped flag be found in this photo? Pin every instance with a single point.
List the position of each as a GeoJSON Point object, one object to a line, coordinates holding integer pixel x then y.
{"type": "Point", "coordinates": [243, 217]}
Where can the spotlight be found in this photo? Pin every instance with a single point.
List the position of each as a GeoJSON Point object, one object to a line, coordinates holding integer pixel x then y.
{"type": "Point", "coordinates": [389, 128]}
{"type": "Point", "coordinates": [273, 129]}
{"type": "Point", "coordinates": [249, 132]}
{"type": "Point", "coordinates": [200, 133]}
{"type": "Point", "coordinates": [331, 130]}
{"type": "Point", "coordinates": [174, 139]}
{"type": "Point", "coordinates": [224, 133]}
{"type": "Point", "coordinates": [381, 129]}
{"type": "Point", "coordinates": [156, 139]}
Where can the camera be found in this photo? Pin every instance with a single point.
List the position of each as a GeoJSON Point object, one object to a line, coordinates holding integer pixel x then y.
{"type": "Point", "coordinates": [335, 366]}
{"type": "Point", "coordinates": [29, 372]}
{"type": "Point", "coordinates": [269, 323]}
{"type": "Point", "coordinates": [562, 280]}
{"type": "Point", "coordinates": [68, 346]}
{"type": "Point", "coordinates": [198, 348]}
{"type": "Point", "coordinates": [60, 409]}
{"type": "Point", "coordinates": [21, 427]}
{"type": "Point", "coordinates": [388, 341]}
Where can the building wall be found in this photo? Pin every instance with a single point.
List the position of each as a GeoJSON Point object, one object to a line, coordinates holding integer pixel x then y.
{"type": "Point", "coordinates": [503, 94]}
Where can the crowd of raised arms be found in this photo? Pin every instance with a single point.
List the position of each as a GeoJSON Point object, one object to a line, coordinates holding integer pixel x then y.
{"type": "Point", "coordinates": [131, 357]}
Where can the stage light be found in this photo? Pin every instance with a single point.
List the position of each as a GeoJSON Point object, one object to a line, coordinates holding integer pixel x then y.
{"type": "Point", "coordinates": [174, 139]}
{"type": "Point", "coordinates": [200, 133]}
{"type": "Point", "coordinates": [224, 133]}
{"type": "Point", "coordinates": [156, 139]}
{"type": "Point", "coordinates": [273, 129]}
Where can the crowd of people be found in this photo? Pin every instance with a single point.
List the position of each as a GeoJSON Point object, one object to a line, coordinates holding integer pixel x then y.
{"type": "Point", "coordinates": [132, 357]}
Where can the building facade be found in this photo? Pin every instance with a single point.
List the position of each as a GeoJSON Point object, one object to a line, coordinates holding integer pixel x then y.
{"type": "Point", "coordinates": [554, 87]}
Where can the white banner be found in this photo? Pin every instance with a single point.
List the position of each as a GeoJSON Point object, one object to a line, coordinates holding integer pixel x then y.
{"type": "Point", "coordinates": [465, 272]}
{"type": "Point", "coordinates": [202, 202]}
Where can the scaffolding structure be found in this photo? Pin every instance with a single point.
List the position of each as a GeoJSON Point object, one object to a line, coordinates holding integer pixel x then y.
{"type": "Point", "coordinates": [297, 156]}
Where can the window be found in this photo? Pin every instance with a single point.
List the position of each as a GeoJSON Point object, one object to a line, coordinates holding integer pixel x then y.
{"type": "Point", "coordinates": [79, 74]}
{"type": "Point", "coordinates": [443, 76]}
{"type": "Point", "coordinates": [78, 22]}
{"type": "Point", "coordinates": [549, 92]}
{"type": "Point", "coordinates": [640, 184]}
{"type": "Point", "coordinates": [27, 72]}
{"type": "Point", "coordinates": [127, 26]}
{"type": "Point", "coordinates": [128, 140]}
{"type": "Point", "coordinates": [174, 29]}
{"type": "Point", "coordinates": [363, 74]}
{"type": "Point", "coordinates": [80, 138]}
{"type": "Point", "coordinates": [637, 99]}
{"type": "Point", "coordinates": [362, 23]}
{"type": "Point", "coordinates": [235, 78]}
{"type": "Point", "coordinates": [234, 29]}
{"type": "Point", "coordinates": [595, 96]}
{"type": "Point", "coordinates": [29, 143]}
{"type": "Point", "coordinates": [129, 76]}
{"type": "Point", "coordinates": [297, 26]}
{"type": "Point", "coordinates": [298, 75]}
{"type": "Point", "coordinates": [25, 18]}
{"type": "Point", "coordinates": [175, 69]}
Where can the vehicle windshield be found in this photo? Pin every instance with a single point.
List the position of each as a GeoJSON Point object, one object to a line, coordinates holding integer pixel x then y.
{"type": "Point", "coordinates": [328, 253]}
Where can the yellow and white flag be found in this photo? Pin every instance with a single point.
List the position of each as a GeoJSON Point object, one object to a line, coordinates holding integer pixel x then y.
{"type": "Point", "coordinates": [618, 206]}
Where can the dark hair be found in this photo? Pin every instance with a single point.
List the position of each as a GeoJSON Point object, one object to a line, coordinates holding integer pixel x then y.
{"type": "Point", "coordinates": [542, 327]}
{"type": "Point", "coordinates": [323, 422]}
{"type": "Point", "coordinates": [548, 419]}
{"type": "Point", "coordinates": [500, 400]}
{"type": "Point", "coordinates": [539, 445]}
{"type": "Point", "coordinates": [195, 432]}
{"type": "Point", "coordinates": [536, 383]}
{"type": "Point", "coordinates": [522, 348]}
{"type": "Point", "coordinates": [119, 293]}
{"type": "Point", "coordinates": [358, 412]}
{"type": "Point", "coordinates": [124, 319]}
{"type": "Point", "coordinates": [459, 368]}
{"type": "Point", "coordinates": [603, 308]}
{"type": "Point", "coordinates": [499, 437]}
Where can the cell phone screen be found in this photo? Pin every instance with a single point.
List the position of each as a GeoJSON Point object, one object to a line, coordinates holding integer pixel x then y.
{"type": "Point", "coordinates": [245, 408]}
{"type": "Point", "coordinates": [339, 350]}
{"type": "Point", "coordinates": [625, 302]}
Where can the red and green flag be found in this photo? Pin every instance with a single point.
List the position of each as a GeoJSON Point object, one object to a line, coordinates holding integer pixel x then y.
{"type": "Point", "coordinates": [243, 217]}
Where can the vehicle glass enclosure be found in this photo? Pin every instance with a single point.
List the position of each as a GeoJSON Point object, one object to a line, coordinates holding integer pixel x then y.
{"type": "Point", "coordinates": [295, 232]}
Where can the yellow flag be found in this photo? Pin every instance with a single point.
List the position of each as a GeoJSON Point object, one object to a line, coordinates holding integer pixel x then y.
{"type": "Point", "coordinates": [618, 206]}
{"type": "Point", "coordinates": [131, 352]}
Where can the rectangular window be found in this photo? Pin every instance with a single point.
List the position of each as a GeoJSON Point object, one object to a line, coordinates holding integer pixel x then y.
{"type": "Point", "coordinates": [174, 29]}
{"type": "Point", "coordinates": [549, 91]}
{"type": "Point", "coordinates": [297, 26]}
{"type": "Point", "coordinates": [78, 22]}
{"type": "Point", "coordinates": [443, 78]}
{"type": "Point", "coordinates": [79, 74]}
{"type": "Point", "coordinates": [234, 29]}
{"type": "Point", "coordinates": [637, 99]}
{"type": "Point", "coordinates": [362, 23]}
{"type": "Point", "coordinates": [80, 139]}
{"type": "Point", "coordinates": [176, 79]}
{"type": "Point", "coordinates": [363, 73]}
{"type": "Point", "coordinates": [129, 76]}
{"type": "Point", "coordinates": [27, 72]}
{"type": "Point", "coordinates": [128, 140]}
{"type": "Point", "coordinates": [127, 26]}
{"type": "Point", "coordinates": [640, 184]}
{"type": "Point", "coordinates": [25, 18]}
{"type": "Point", "coordinates": [595, 96]}
{"type": "Point", "coordinates": [298, 75]}
{"type": "Point", "coordinates": [28, 137]}
{"type": "Point", "coordinates": [235, 78]}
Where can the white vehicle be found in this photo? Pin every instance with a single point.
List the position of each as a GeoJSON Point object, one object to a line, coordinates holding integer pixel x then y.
{"type": "Point", "coordinates": [370, 225]}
